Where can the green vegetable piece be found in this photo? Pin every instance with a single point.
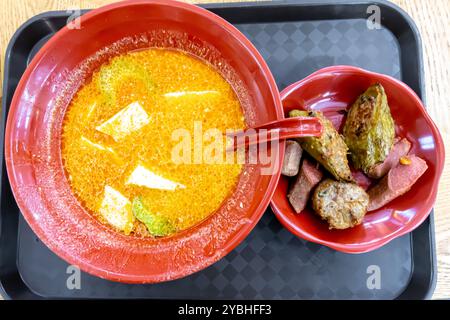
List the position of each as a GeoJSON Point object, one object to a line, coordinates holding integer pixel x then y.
{"type": "Point", "coordinates": [121, 71]}
{"type": "Point", "coordinates": [298, 113]}
{"type": "Point", "coordinates": [156, 225]}
{"type": "Point", "coordinates": [329, 149]}
{"type": "Point", "coordinates": [369, 129]}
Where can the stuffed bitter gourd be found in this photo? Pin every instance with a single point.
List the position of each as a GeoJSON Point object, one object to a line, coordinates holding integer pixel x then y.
{"type": "Point", "coordinates": [329, 149]}
{"type": "Point", "coordinates": [369, 129]}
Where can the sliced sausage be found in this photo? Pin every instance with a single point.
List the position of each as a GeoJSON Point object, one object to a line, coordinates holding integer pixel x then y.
{"type": "Point", "coordinates": [397, 182]}
{"type": "Point", "coordinates": [361, 179]}
{"type": "Point", "coordinates": [309, 176]}
{"type": "Point", "coordinates": [400, 149]}
{"type": "Point", "coordinates": [342, 204]}
{"type": "Point", "coordinates": [292, 157]}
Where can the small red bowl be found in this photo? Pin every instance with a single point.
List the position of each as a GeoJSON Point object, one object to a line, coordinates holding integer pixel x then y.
{"type": "Point", "coordinates": [335, 88]}
{"type": "Point", "coordinates": [33, 140]}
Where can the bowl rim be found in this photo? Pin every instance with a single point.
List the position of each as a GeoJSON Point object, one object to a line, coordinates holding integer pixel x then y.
{"type": "Point", "coordinates": [440, 151]}
{"type": "Point", "coordinates": [97, 270]}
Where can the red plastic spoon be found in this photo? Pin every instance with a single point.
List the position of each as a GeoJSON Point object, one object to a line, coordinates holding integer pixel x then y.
{"type": "Point", "coordinates": [288, 128]}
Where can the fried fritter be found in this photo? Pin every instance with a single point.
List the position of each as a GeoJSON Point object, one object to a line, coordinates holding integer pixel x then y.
{"type": "Point", "coordinates": [342, 204]}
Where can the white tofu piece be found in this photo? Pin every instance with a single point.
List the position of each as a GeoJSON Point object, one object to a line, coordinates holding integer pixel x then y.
{"type": "Point", "coordinates": [116, 209]}
{"type": "Point", "coordinates": [143, 177]}
{"type": "Point", "coordinates": [128, 120]}
{"type": "Point", "coordinates": [96, 145]}
{"type": "Point", "coordinates": [190, 93]}
{"type": "Point", "coordinates": [91, 109]}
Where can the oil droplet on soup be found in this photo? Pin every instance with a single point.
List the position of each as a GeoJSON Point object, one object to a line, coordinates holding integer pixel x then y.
{"type": "Point", "coordinates": [117, 142]}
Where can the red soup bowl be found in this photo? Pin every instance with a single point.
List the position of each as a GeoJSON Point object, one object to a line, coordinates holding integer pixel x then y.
{"type": "Point", "coordinates": [331, 90]}
{"type": "Point", "coordinates": [33, 139]}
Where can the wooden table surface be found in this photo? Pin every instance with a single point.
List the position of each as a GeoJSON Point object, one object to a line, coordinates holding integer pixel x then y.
{"type": "Point", "coordinates": [433, 19]}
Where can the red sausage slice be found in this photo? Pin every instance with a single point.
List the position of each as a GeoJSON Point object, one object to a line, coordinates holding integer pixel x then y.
{"type": "Point", "coordinates": [309, 176]}
{"type": "Point", "coordinates": [292, 157]}
{"type": "Point", "coordinates": [397, 182]}
{"type": "Point", "coordinates": [400, 149]}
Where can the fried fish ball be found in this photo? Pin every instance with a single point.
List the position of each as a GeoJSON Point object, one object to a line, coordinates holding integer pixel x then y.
{"type": "Point", "coordinates": [342, 204]}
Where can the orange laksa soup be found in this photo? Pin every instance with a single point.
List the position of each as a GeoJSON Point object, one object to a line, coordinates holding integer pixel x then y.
{"type": "Point", "coordinates": [118, 142]}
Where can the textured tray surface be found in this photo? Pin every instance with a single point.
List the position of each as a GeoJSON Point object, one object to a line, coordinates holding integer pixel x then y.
{"type": "Point", "coordinates": [271, 263]}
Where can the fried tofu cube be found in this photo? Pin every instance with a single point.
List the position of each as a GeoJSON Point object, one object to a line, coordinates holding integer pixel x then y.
{"type": "Point", "coordinates": [128, 120]}
{"type": "Point", "coordinates": [94, 145]}
{"type": "Point", "coordinates": [116, 209]}
{"type": "Point", "coordinates": [143, 177]}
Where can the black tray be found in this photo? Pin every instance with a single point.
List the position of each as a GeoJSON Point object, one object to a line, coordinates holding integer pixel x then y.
{"type": "Point", "coordinates": [295, 39]}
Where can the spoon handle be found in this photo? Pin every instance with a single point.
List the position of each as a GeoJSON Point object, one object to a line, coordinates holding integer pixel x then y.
{"type": "Point", "coordinates": [288, 128]}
